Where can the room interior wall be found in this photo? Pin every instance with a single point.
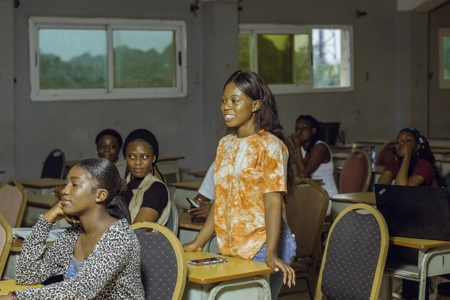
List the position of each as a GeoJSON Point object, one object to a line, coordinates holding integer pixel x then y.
{"type": "Point", "coordinates": [7, 119]}
{"type": "Point", "coordinates": [439, 99]}
{"type": "Point", "coordinates": [182, 125]}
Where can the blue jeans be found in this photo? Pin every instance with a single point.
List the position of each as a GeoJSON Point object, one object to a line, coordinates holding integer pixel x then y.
{"type": "Point", "coordinates": [286, 252]}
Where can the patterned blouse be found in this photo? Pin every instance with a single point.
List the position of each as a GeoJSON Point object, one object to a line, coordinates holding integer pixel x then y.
{"type": "Point", "coordinates": [245, 169]}
{"type": "Point", "coordinates": [112, 270]}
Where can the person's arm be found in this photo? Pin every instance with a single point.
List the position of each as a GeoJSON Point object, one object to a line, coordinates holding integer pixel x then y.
{"type": "Point", "coordinates": [112, 253]}
{"type": "Point", "coordinates": [204, 209]}
{"type": "Point", "coordinates": [386, 177]}
{"type": "Point", "coordinates": [272, 212]}
{"type": "Point", "coordinates": [318, 155]}
{"type": "Point", "coordinates": [402, 177]}
{"type": "Point", "coordinates": [154, 202]}
{"type": "Point", "coordinates": [204, 235]}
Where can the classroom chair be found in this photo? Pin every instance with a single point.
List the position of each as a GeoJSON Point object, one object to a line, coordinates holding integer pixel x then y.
{"type": "Point", "coordinates": [13, 201]}
{"type": "Point", "coordinates": [54, 165]}
{"type": "Point", "coordinates": [174, 220]}
{"type": "Point", "coordinates": [6, 236]}
{"type": "Point", "coordinates": [385, 153]}
{"type": "Point", "coordinates": [306, 208]}
{"type": "Point", "coordinates": [355, 255]}
{"type": "Point", "coordinates": [356, 173]}
{"type": "Point", "coordinates": [163, 268]}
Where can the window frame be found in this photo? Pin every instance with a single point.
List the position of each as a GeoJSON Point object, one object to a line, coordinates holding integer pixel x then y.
{"type": "Point", "coordinates": [108, 93]}
{"type": "Point", "coordinates": [443, 83]}
{"type": "Point", "coordinates": [255, 29]}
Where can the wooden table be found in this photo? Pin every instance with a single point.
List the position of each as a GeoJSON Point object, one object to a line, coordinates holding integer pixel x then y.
{"type": "Point", "coordinates": [200, 174]}
{"type": "Point", "coordinates": [342, 201]}
{"type": "Point", "coordinates": [234, 278]}
{"type": "Point", "coordinates": [416, 259]}
{"type": "Point", "coordinates": [41, 186]}
{"type": "Point", "coordinates": [10, 285]}
{"type": "Point", "coordinates": [37, 205]}
{"type": "Point", "coordinates": [168, 165]}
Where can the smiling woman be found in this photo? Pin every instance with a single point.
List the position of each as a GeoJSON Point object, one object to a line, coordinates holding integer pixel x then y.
{"type": "Point", "coordinates": [109, 143]}
{"type": "Point", "coordinates": [147, 197]}
{"type": "Point", "coordinates": [99, 255]}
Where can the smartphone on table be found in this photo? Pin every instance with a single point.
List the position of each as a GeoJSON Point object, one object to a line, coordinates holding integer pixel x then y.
{"type": "Point", "coordinates": [208, 261]}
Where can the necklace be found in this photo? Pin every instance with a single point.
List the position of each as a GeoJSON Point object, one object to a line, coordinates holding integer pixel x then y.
{"type": "Point", "coordinates": [82, 241]}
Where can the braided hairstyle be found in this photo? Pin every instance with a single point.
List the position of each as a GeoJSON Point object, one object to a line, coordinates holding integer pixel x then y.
{"type": "Point", "coordinates": [314, 124]}
{"type": "Point", "coordinates": [424, 152]}
{"type": "Point", "coordinates": [266, 118]}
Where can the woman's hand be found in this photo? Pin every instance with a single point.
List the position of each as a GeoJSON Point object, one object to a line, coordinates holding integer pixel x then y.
{"type": "Point", "coordinates": [56, 213]}
{"type": "Point", "coordinates": [278, 265]}
{"type": "Point", "coordinates": [295, 139]}
{"type": "Point", "coordinates": [203, 210]}
{"type": "Point", "coordinates": [192, 247]}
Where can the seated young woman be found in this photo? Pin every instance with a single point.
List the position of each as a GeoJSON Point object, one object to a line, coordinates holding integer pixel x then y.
{"type": "Point", "coordinates": [413, 163]}
{"type": "Point", "coordinates": [109, 143]}
{"type": "Point", "coordinates": [99, 255]}
{"type": "Point", "coordinates": [313, 157]}
{"type": "Point", "coordinates": [147, 196]}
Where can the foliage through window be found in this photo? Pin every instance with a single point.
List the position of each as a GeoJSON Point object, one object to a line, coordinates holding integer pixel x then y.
{"type": "Point", "coordinates": [296, 59]}
{"type": "Point", "coordinates": [444, 58]}
{"type": "Point", "coordinates": [80, 58]}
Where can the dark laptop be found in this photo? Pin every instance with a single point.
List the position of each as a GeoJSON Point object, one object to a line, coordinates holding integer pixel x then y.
{"type": "Point", "coordinates": [414, 211]}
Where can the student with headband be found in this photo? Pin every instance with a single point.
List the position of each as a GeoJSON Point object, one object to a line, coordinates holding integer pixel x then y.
{"type": "Point", "coordinates": [413, 163]}
{"type": "Point", "coordinates": [147, 197]}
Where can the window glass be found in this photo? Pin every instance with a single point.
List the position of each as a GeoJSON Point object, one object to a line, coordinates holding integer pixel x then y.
{"type": "Point", "coordinates": [144, 58]}
{"type": "Point", "coordinates": [446, 49]}
{"type": "Point", "coordinates": [245, 52]}
{"type": "Point", "coordinates": [72, 59]}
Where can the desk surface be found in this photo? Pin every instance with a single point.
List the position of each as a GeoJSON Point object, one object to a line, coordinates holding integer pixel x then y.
{"type": "Point", "coordinates": [10, 285]}
{"type": "Point", "coordinates": [373, 141]}
{"type": "Point", "coordinates": [343, 156]}
{"type": "Point", "coordinates": [417, 243]}
{"type": "Point", "coordinates": [200, 174]}
{"type": "Point", "coordinates": [186, 185]}
{"type": "Point", "coordinates": [439, 150]}
{"type": "Point", "coordinates": [378, 169]}
{"type": "Point", "coordinates": [363, 197]}
{"type": "Point", "coordinates": [185, 222]}
{"type": "Point", "coordinates": [233, 269]}
{"type": "Point", "coordinates": [44, 201]}
{"type": "Point", "coordinates": [43, 183]}
{"type": "Point", "coordinates": [16, 245]}
{"type": "Point", "coordinates": [168, 158]}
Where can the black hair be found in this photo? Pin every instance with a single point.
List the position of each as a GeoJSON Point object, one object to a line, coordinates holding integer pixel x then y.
{"type": "Point", "coordinates": [266, 118]}
{"type": "Point", "coordinates": [424, 152]}
{"type": "Point", "coordinates": [109, 132]}
{"type": "Point", "coordinates": [314, 124]}
{"type": "Point", "coordinates": [106, 176]}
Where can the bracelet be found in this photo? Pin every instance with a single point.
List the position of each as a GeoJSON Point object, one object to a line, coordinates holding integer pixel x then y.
{"type": "Point", "coordinates": [13, 295]}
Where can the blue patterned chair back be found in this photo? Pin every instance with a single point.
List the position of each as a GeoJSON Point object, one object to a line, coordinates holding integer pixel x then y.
{"type": "Point", "coordinates": [163, 269]}
{"type": "Point", "coordinates": [355, 255]}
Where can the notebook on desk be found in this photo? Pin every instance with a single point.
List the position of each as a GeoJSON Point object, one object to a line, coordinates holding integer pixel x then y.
{"type": "Point", "coordinates": [414, 211]}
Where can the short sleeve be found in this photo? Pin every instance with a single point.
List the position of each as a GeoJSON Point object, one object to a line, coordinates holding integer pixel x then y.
{"type": "Point", "coordinates": [207, 187]}
{"type": "Point", "coordinates": [424, 169]}
{"type": "Point", "coordinates": [275, 168]}
{"type": "Point", "coordinates": [156, 197]}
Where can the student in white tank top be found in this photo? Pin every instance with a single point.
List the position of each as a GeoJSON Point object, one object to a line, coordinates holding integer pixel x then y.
{"type": "Point", "coordinates": [313, 157]}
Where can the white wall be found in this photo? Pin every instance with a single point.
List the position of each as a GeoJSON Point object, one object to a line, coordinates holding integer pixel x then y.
{"type": "Point", "coordinates": [377, 108]}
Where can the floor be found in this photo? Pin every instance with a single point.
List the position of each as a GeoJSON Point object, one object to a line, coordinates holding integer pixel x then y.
{"type": "Point", "coordinates": [396, 287]}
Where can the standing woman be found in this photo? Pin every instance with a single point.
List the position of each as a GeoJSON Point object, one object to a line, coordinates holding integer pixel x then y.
{"type": "Point", "coordinates": [147, 197]}
{"type": "Point", "coordinates": [312, 156]}
{"type": "Point", "coordinates": [251, 175]}
{"type": "Point", "coordinates": [109, 142]}
{"type": "Point", "coordinates": [413, 163]}
{"type": "Point", "coordinates": [99, 255]}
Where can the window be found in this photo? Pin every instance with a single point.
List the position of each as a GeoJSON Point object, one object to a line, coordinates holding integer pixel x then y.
{"type": "Point", "coordinates": [444, 58]}
{"type": "Point", "coordinates": [90, 59]}
{"type": "Point", "coordinates": [298, 59]}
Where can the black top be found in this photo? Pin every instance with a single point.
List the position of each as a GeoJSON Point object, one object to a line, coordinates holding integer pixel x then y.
{"type": "Point", "coordinates": [155, 197]}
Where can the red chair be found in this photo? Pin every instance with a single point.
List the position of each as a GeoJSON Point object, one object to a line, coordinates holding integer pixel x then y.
{"type": "Point", "coordinates": [356, 173]}
{"type": "Point", "coordinates": [386, 153]}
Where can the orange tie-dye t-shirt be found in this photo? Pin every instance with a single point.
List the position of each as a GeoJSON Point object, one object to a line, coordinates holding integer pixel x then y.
{"type": "Point", "coordinates": [244, 170]}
